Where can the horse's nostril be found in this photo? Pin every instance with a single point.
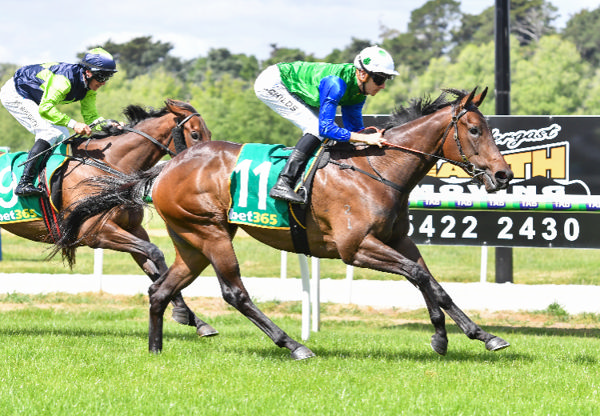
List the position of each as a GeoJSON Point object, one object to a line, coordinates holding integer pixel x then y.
{"type": "Point", "coordinates": [503, 176]}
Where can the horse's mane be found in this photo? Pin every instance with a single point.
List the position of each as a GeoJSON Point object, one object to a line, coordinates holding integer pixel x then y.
{"type": "Point", "coordinates": [134, 114]}
{"type": "Point", "coordinates": [419, 107]}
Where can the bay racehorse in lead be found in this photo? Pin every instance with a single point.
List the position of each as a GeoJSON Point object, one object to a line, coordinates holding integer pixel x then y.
{"type": "Point", "coordinates": [139, 145]}
{"type": "Point", "coordinates": [358, 210]}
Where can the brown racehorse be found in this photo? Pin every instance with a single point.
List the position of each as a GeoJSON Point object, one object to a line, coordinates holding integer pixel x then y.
{"type": "Point", "coordinates": [358, 214]}
{"type": "Point", "coordinates": [137, 146]}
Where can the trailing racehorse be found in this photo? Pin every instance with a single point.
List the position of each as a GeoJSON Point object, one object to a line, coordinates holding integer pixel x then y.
{"type": "Point", "coordinates": [137, 146]}
{"type": "Point", "coordinates": [357, 211]}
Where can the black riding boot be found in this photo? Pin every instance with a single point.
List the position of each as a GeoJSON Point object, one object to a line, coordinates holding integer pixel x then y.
{"type": "Point", "coordinates": [30, 171]}
{"type": "Point", "coordinates": [288, 177]}
{"type": "Point", "coordinates": [284, 187]}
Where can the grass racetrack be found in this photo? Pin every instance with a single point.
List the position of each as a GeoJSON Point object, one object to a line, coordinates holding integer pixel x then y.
{"type": "Point", "coordinates": [87, 355]}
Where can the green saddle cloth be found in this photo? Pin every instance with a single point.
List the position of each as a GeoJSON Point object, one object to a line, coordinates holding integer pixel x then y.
{"type": "Point", "coordinates": [15, 209]}
{"type": "Point", "coordinates": [255, 173]}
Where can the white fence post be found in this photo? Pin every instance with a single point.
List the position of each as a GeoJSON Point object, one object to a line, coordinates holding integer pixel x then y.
{"type": "Point", "coordinates": [483, 269]}
{"type": "Point", "coordinates": [98, 261]}
{"type": "Point", "coordinates": [349, 278]}
{"type": "Point", "coordinates": [305, 273]}
{"type": "Point", "coordinates": [316, 294]}
{"type": "Point", "coordinates": [283, 269]}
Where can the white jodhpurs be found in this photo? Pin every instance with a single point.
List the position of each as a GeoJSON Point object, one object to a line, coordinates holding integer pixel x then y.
{"type": "Point", "coordinates": [27, 113]}
{"type": "Point", "coordinates": [270, 90]}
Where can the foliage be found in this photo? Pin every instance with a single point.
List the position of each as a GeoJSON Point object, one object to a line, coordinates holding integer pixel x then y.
{"type": "Point", "coordinates": [139, 55]}
{"type": "Point", "coordinates": [583, 29]}
{"type": "Point", "coordinates": [551, 81]}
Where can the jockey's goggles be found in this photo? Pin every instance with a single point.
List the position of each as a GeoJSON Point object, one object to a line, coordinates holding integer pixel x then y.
{"type": "Point", "coordinates": [102, 76]}
{"type": "Point", "coordinates": [379, 78]}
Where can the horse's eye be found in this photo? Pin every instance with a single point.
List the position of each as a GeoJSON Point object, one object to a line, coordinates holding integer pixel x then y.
{"type": "Point", "coordinates": [474, 131]}
{"type": "Point", "coordinates": [195, 135]}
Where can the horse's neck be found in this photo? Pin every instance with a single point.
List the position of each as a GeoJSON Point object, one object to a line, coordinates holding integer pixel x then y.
{"type": "Point", "coordinates": [127, 152]}
{"type": "Point", "coordinates": [423, 135]}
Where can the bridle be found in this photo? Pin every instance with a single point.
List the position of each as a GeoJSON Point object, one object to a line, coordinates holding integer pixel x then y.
{"type": "Point", "coordinates": [471, 169]}
{"type": "Point", "coordinates": [465, 164]}
{"type": "Point", "coordinates": [176, 136]}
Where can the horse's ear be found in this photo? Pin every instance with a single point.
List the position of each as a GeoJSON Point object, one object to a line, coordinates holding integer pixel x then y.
{"type": "Point", "coordinates": [470, 97]}
{"type": "Point", "coordinates": [479, 99]}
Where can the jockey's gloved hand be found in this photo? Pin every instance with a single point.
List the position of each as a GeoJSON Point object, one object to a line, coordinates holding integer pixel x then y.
{"type": "Point", "coordinates": [108, 126]}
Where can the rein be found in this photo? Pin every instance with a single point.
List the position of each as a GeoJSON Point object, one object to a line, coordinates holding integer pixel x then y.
{"type": "Point", "coordinates": [471, 169]}
{"type": "Point", "coordinates": [465, 164]}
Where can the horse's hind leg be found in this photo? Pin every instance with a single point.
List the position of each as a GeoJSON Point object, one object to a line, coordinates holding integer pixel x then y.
{"type": "Point", "coordinates": [152, 261]}
{"type": "Point", "coordinates": [234, 293]}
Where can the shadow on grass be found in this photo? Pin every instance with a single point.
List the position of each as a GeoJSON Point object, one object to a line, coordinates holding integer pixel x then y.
{"type": "Point", "coordinates": [523, 330]}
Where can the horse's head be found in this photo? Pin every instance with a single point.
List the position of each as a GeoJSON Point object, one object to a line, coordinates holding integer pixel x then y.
{"type": "Point", "coordinates": [190, 126]}
{"type": "Point", "coordinates": [473, 144]}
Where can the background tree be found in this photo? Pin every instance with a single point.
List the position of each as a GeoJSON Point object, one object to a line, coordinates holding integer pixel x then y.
{"type": "Point", "coordinates": [431, 26]}
{"type": "Point", "coordinates": [583, 29]}
{"type": "Point", "coordinates": [278, 55]}
{"type": "Point", "coordinates": [140, 55]}
{"type": "Point", "coordinates": [347, 55]}
{"type": "Point", "coordinates": [551, 81]}
{"type": "Point", "coordinates": [531, 19]}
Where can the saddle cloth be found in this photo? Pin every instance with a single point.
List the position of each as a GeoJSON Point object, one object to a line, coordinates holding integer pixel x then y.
{"type": "Point", "coordinates": [14, 209]}
{"type": "Point", "coordinates": [256, 171]}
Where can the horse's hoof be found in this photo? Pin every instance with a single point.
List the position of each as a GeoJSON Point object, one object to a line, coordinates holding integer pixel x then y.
{"type": "Point", "coordinates": [181, 316]}
{"type": "Point", "coordinates": [301, 353]}
{"type": "Point", "coordinates": [496, 344]}
{"type": "Point", "coordinates": [439, 344]}
{"type": "Point", "coordinates": [206, 331]}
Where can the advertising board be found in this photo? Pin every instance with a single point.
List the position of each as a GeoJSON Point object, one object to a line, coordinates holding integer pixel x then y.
{"type": "Point", "coordinates": [551, 202]}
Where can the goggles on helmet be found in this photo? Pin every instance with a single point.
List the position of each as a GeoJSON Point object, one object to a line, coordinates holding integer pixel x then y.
{"type": "Point", "coordinates": [379, 78]}
{"type": "Point", "coordinates": [102, 76]}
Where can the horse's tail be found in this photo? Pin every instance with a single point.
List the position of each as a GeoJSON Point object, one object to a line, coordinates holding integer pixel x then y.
{"type": "Point", "coordinates": [108, 192]}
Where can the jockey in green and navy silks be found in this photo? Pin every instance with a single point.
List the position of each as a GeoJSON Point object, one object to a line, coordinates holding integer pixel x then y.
{"type": "Point", "coordinates": [309, 93]}
{"type": "Point", "coordinates": [32, 95]}
{"type": "Point", "coordinates": [51, 84]}
{"type": "Point", "coordinates": [324, 87]}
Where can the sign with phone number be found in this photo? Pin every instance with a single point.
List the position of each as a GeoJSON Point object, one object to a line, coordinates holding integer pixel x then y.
{"type": "Point", "coordinates": [505, 229]}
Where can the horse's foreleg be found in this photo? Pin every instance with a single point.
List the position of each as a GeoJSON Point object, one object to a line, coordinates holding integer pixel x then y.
{"type": "Point", "coordinates": [426, 281]}
{"type": "Point", "coordinates": [470, 328]}
{"type": "Point", "coordinates": [404, 259]}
